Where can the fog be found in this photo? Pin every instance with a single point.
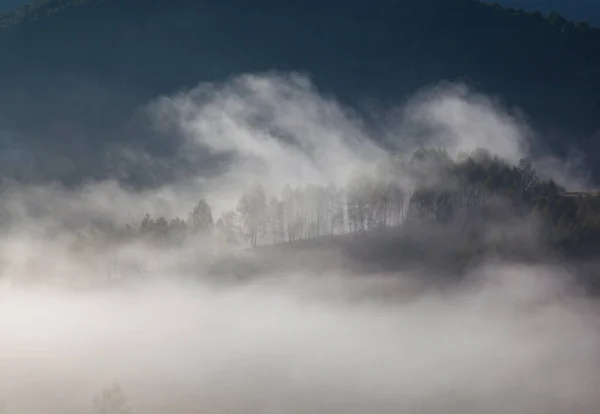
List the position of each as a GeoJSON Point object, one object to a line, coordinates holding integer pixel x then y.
{"type": "Point", "coordinates": [203, 326]}
{"type": "Point", "coordinates": [277, 129]}
{"type": "Point", "coordinates": [516, 340]}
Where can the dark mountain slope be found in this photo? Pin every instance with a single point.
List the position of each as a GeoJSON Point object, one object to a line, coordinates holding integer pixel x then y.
{"type": "Point", "coordinates": [75, 69]}
{"type": "Point", "coordinates": [583, 10]}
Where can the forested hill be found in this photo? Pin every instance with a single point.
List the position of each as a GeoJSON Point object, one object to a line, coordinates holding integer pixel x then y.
{"type": "Point", "coordinates": [586, 10]}
{"type": "Point", "coordinates": [73, 70]}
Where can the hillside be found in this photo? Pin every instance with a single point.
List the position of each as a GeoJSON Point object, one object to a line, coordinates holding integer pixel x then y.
{"type": "Point", "coordinates": [76, 69]}
{"type": "Point", "coordinates": [582, 10]}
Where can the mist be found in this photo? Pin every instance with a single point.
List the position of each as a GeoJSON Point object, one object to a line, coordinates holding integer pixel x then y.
{"type": "Point", "coordinates": [277, 129]}
{"type": "Point", "coordinates": [382, 322]}
{"type": "Point", "coordinates": [516, 341]}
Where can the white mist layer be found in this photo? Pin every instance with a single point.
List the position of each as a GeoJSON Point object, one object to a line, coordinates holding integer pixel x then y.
{"type": "Point", "coordinates": [275, 130]}
{"type": "Point", "coordinates": [515, 341]}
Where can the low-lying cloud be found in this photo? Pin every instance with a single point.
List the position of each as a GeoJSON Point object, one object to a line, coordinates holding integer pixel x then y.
{"type": "Point", "coordinates": [277, 129]}
{"type": "Point", "coordinates": [174, 329]}
{"type": "Point", "coordinates": [516, 341]}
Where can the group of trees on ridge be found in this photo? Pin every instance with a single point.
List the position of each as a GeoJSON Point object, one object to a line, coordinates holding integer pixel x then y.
{"type": "Point", "coordinates": [430, 186]}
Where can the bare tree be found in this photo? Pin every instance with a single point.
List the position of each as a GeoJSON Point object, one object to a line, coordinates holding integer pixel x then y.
{"type": "Point", "coordinates": [253, 210]}
{"type": "Point", "coordinates": [290, 212]}
{"type": "Point", "coordinates": [276, 220]}
{"type": "Point", "coordinates": [529, 178]}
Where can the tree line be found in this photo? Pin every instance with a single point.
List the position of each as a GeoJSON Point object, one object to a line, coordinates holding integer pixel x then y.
{"type": "Point", "coordinates": [429, 186]}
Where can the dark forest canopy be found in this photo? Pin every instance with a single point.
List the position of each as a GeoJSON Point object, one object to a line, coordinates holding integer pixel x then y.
{"type": "Point", "coordinates": [75, 69]}
{"type": "Point", "coordinates": [585, 10]}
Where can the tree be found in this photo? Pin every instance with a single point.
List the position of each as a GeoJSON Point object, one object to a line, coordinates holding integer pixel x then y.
{"type": "Point", "coordinates": [397, 200]}
{"type": "Point", "coordinates": [289, 207]}
{"type": "Point", "coordinates": [161, 227]}
{"type": "Point", "coordinates": [253, 211]}
{"type": "Point", "coordinates": [201, 219]}
{"type": "Point", "coordinates": [147, 224]}
{"type": "Point", "coordinates": [337, 211]}
{"type": "Point", "coordinates": [177, 229]}
{"type": "Point", "coordinates": [177, 225]}
{"type": "Point", "coordinates": [556, 19]}
{"type": "Point", "coordinates": [359, 210]}
{"type": "Point", "coordinates": [276, 220]}
{"type": "Point", "coordinates": [528, 176]}
{"type": "Point", "coordinates": [227, 227]}
{"type": "Point", "coordinates": [154, 228]}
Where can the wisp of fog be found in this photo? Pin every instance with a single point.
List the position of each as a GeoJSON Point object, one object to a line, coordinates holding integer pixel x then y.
{"type": "Point", "coordinates": [152, 328]}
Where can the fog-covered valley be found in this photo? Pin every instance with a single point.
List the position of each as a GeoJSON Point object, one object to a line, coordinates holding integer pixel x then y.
{"type": "Point", "coordinates": [462, 293]}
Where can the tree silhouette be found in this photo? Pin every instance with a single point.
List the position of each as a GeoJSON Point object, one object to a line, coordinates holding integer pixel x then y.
{"type": "Point", "coordinates": [253, 211]}
{"type": "Point", "coordinates": [201, 219]}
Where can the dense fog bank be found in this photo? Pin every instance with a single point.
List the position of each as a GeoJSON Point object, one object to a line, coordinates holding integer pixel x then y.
{"type": "Point", "coordinates": [455, 297]}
